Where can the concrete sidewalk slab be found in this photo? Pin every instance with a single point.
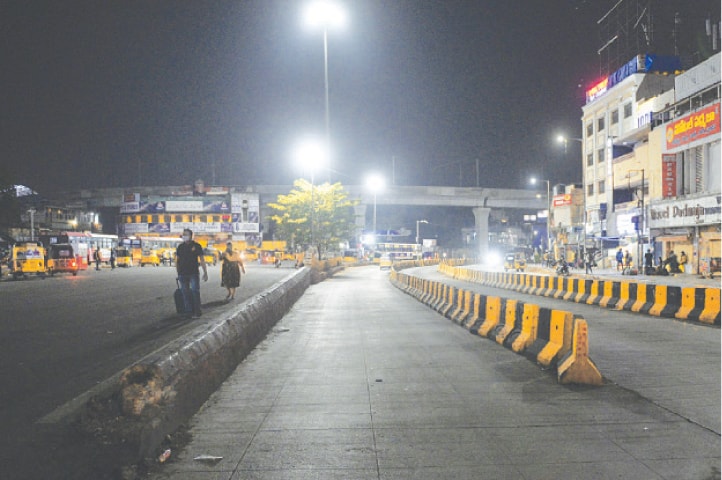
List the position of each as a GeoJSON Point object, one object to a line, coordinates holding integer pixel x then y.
{"type": "Point", "coordinates": [360, 381]}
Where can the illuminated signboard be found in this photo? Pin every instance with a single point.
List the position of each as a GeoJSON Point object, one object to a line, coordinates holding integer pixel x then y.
{"type": "Point", "coordinates": [694, 126]}
{"type": "Point", "coordinates": [562, 200]}
{"type": "Point", "coordinates": [597, 90]}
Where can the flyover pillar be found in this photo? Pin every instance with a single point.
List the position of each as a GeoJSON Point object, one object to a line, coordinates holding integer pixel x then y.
{"type": "Point", "coordinates": [481, 223]}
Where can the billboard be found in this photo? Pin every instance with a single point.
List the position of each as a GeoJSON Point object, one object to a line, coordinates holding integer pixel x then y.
{"type": "Point", "coordinates": [694, 126]}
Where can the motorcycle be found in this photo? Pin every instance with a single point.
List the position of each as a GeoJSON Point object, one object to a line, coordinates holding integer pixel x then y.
{"type": "Point", "coordinates": [562, 268]}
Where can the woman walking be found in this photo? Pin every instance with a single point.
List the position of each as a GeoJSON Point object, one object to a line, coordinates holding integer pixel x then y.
{"type": "Point", "coordinates": [231, 270]}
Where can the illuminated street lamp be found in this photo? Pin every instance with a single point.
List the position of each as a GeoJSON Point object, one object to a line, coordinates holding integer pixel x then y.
{"type": "Point", "coordinates": [533, 181]}
{"type": "Point", "coordinates": [311, 154]}
{"type": "Point", "coordinates": [375, 183]}
{"type": "Point", "coordinates": [325, 14]}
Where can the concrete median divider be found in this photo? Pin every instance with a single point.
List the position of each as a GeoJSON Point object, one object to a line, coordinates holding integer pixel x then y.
{"type": "Point", "coordinates": [547, 336]}
{"type": "Point", "coordinates": [155, 396]}
{"type": "Point", "coordinates": [700, 304]}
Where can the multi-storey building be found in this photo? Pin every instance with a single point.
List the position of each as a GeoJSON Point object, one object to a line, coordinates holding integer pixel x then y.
{"type": "Point", "coordinates": [651, 160]}
{"type": "Point", "coordinates": [684, 215]}
{"type": "Point", "coordinates": [214, 214]}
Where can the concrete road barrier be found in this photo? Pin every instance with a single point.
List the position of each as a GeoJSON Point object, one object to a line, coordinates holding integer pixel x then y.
{"type": "Point", "coordinates": [549, 337]}
{"type": "Point", "coordinates": [161, 391]}
{"type": "Point", "coordinates": [686, 303]}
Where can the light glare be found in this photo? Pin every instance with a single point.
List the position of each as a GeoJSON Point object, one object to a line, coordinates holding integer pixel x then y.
{"type": "Point", "coordinates": [375, 182]}
{"type": "Point", "coordinates": [325, 14]}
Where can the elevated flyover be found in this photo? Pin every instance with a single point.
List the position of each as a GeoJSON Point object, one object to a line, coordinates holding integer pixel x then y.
{"type": "Point", "coordinates": [480, 200]}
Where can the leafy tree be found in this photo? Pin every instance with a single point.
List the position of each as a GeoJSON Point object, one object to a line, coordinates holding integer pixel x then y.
{"type": "Point", "coordinates": [327, 205]}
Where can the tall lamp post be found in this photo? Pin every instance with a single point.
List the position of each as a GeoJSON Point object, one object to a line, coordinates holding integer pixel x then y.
{"type": "Point", "coordinates": [325, 14]}
{"type": "Point", "coordinates": [311, 154]}
{"type": "Point", "coordinates": [533, 181]}
{"type": "Point", "coordinates": [640, 218]}
{"type": "Point", "coordinates": [565, 141]}
{"type": "Point", "coordinates": [375, 183]}
{"type": "Point", "coordinates": [32, 212]}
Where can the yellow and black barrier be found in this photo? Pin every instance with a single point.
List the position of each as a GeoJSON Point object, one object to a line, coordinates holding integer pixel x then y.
{"type": "Point", "coordinates": [547, 336]}
{"type": "Point", "coordinates": [686, 303]}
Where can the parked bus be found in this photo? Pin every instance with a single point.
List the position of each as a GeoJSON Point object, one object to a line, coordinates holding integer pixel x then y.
{"type": "Point", "coordinates": [151, 250]}
{"type": "Point", "coordinates": [104, 244]}
{"type": "Point", "coordinates": [84, 245]}
{"type": "Point", "coordinates": [398, 251]}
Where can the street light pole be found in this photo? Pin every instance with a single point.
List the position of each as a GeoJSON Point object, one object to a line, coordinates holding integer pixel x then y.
{"type": "Point", "coordinates": [565, 141]}
{"type": "Point", "coordinates": [640, 218]}
{"type": "Point", "coordinates": [325, 14]}
{"type": "Point", "coordinates": [374, 224]}
{"type": "Point", "coordinates": [310, 153]}
{"type": "Point", "coordinates": [325, 85]}
{"type": "Point", "coordinates": [549, 214]}
{"type": "Point", "coordinates": [32, 224]}
{"type": "Point", "coordinates": [533, 181]}
{"type": "Point", "coordinates": [313, 213]}
{"type": "Point", "coordinates": [375, 183]}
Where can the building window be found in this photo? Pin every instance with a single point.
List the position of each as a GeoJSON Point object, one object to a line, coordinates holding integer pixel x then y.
{"type": "Point", "coordinates": [590, 159]}
{"type": "Point", "coordinates": [600, 187]}
{"type": "Point", "coordinates": [600, 155]}
{"type": "Point", "coordinates": [600, 124]}
{"type": "Point", "coordinates": [590, 189]}
{"type": "Point", "coordinates": [590, 129]}
{"type": "Point", "coordinates": [627, 110]}
{"type": "Point", "coordinates": [615, 117]}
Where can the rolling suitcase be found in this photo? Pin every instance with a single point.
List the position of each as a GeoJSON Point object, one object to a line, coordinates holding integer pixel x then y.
{"type": "Point", "coordinates": [178, 297]}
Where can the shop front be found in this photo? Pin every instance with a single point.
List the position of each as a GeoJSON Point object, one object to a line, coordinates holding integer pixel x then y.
{"type": "Point", "coordinates": [692, 226]}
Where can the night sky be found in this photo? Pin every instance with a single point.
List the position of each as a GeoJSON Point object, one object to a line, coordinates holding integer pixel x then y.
{"type": "Point", "coordinates": [156, 92]}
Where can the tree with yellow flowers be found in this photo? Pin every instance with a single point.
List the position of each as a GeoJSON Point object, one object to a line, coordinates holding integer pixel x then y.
{"type": "Point", "coordinates": [316, 216]}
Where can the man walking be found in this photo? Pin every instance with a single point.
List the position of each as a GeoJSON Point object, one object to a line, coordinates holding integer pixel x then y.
{"type": "Point", "coordinates": [589, 262]}
{"type": "Point", "coordinates": [189, 255]}
{"type": "Point", "coordinates": [648, 262]}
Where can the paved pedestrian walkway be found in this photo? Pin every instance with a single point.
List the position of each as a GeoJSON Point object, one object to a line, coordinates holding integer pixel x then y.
{"type": "Point", "coordinates": [361, 381]}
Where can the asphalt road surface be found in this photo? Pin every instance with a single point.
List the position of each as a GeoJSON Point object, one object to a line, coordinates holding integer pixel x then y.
{"type": "Point", "coordinates": [63, 335]}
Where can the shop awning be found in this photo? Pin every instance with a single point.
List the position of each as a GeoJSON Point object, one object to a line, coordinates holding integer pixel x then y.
{"type": "Point", "coordinates": [671, 238]}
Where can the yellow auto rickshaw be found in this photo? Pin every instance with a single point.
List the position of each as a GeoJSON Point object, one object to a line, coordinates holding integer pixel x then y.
{"type": "Point", "coordinates": [210, 256]}
{"type": "Point", "coordinates": [514, 261]}
{"type": "Point", "coordinates": [27, 258]}
{"type": "Point", "coordinates": [150, 257]}
{"type": "Point", "coordinates": [123, 257]}
{"type": "Point", "coordinates": [61, 259]}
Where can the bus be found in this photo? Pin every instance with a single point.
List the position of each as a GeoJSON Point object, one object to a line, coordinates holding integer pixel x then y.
{"type": "Point", "coordinates": [84, 245]}
{"type": "Point", "coordinates": [150, 247]}
{"type": "Point", "coordinates": [104, 244]}
{"type": "Point", "coordinates": [397, 251]}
